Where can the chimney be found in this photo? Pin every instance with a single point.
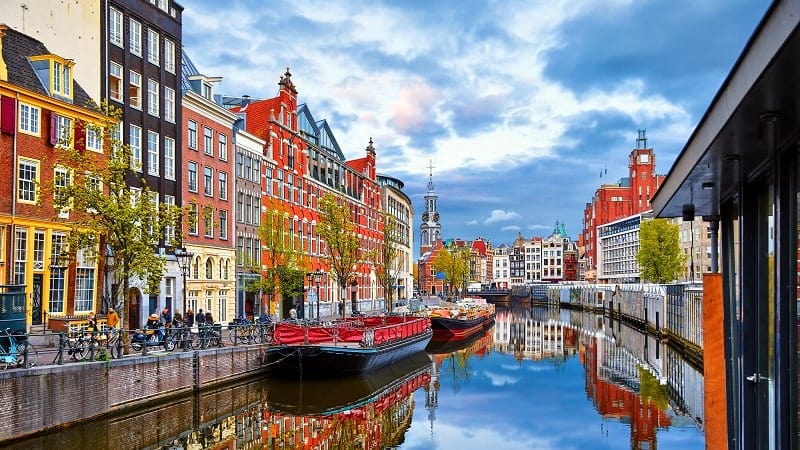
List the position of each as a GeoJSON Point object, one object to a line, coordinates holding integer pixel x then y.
{"type": "Point", "coordinates": [245, 100]}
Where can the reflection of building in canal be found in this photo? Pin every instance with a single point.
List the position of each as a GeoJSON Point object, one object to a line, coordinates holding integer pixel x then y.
{"type": "Point", "coordinates": [616, 392]}
{"type": "Point", "coordinates": [376, 424]}
{"type": "Point", "coordinates": [528, 338]}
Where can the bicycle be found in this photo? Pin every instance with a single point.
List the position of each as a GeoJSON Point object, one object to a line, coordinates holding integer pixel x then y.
{"type": "Point", "coordinates": [17, 351]}
{"type": "Point", "coordinates": [245, 332]}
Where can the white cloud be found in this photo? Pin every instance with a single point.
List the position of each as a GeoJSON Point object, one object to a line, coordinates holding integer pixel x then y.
{"type": "Point", "coordinates": [499, 215]}
{"type": "Point", "coordinates": [510, 228]}
{"type": "Point", "coordinates": [472, 222]}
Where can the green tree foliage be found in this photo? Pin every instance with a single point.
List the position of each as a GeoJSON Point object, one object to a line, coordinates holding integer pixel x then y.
{"type": "Point", "coordinates": [660, 258]}
{"type": "Point", "coordinates": [337, 229]}
{"type": "Point", "coordinates": [283, 262]}
{"type": "Point", "coordinates": [108, 215]}
{"type": "Point", "coordinates": [454, 263]}
{"type": "Point", "coordinates": [385, 257]}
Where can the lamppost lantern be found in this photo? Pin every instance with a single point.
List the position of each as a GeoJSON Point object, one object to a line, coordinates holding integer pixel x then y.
{"type": "Point", "coordinates": [184, 260]}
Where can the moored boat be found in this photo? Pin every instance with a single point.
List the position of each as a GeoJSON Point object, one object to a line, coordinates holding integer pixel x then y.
{"type": "Point", "coordinates": [345, 347]}
{"type": "Point", "coordinates": [462, 319]}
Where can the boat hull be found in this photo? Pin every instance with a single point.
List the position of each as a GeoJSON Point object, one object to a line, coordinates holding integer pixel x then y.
{"type": "Point", "coordinates": [448, 329]}
{"type": "Point", "coordinates": [326, 361]}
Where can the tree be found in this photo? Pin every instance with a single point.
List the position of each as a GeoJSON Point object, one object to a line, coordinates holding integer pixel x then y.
{"type": "Point", "coordinates": [110, 218]}
{"type": "Point", "coordinates": [385, 257]}
{"type": "Point", "coordinates": [337, 229]}
{"type": "Point", "coordinates": [454, 263]}
{"type": "Point", "coordinates": [660, 258]}
{"type": "Point", "coordinates": [283, 266]}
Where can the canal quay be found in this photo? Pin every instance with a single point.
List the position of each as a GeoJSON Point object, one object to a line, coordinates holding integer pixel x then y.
{"type": "Point", "coordinates": [541, 378]}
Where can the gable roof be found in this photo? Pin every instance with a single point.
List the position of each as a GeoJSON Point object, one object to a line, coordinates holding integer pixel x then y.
{"type": "Point", "coordinates": [17, 48]}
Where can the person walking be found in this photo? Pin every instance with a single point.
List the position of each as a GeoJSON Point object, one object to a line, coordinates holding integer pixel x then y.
{"type": "Point", "coordinates": [166, 319]}
{"type": "Point", "coordinates": [189, 318]}
{"type": "Point", "coordinates": [209, 318]}
{"type": "Point", "coordinates": [112, 318]}
{"type": "Point", "coordinates": [200, 318]}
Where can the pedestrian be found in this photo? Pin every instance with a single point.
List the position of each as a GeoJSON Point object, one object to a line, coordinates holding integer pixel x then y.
{"type": "Point", "coordinates": [166, 319]}
{"type": "Point", "coordinates": [112, 318]}
{"type": "Point", "coordinates": [91, 325]}
{"type": "Point", "coordinates": [189, 318]}
{"type": "Point", "coordinates": [209, 318]}
{"type": "Point", "coordinates": [200, 318]}
{"type": "Point", "coordinates": [177, 320]}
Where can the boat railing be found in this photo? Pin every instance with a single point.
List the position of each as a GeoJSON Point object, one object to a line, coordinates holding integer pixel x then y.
{"type": "Point", "coordinates": [367, 332]}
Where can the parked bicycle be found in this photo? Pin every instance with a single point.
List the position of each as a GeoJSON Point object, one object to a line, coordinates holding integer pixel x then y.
{"type": "Point", "coordinates": [78, 344]}
{"type": "Point", "coordinates": [15, 350]}
{"type": "Point", "coordinates": [245, 332]}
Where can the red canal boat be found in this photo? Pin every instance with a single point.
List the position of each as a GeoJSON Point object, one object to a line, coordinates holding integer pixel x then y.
{"type": "Point", "coordinates": [462, 319]}
{"type": "Point", "coordinates": [345, 347]}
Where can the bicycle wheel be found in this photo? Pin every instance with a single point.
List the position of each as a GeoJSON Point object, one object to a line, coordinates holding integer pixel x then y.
{"type": "Point", "coordinates": [78, 350]}
{"type": "Point", "coordinates": [236, 334]}
{"type": "Point", "coordinates": [33, 354]}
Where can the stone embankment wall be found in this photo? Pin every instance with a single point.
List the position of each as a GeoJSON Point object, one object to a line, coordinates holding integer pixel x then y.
{"type": "Point", "coordinates": [41, 398]}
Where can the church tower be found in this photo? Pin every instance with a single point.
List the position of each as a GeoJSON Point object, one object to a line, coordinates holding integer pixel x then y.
{"type": "Point", "coordinates": [430, 229]}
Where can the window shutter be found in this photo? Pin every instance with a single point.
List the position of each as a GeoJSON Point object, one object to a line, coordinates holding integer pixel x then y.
{"type": "Point", "coordinates": [8, 109]}
{"type": "Point", "coordinates": [80, 136]}
{"type": "Point", "coordinates": [53, 133]}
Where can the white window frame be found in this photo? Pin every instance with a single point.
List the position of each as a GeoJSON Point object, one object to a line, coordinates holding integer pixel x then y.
{"type": "Point", "coordinates": [94, 139]}
{"type": "Point", "coordinates": [169, 55]}
{"type": "Point", "coordinates": [191, 134]}
{"type": "Point", "coordinates": [115, 82]}
{"type": "Point", "coordinates": [208, 181]}
{"type": "Point", "coordinates": [152, 153]}
{"type": "Point", "coordinates": [29, 119]}
{"type": "Point", "coordinates": [135, 90]}
{"type": "Point", "coordinates": [135, 143]}
{"type": "Point", "coordinates": [135, 37]}
{"type": "Point", "coordinates": [169, 230]}
{"type": "Point", "coordinates": [191, 178]}
{"type": "Point", "coordinates": [64, 131]}
{"type": "Point", "coordinates": [153, 43]}
{"type": "Point", "coordinates": [62, 177]}
{"type": "Point", "coordinates": [169, 158]}
{"type": "Point", "coordinates": [222, 139]}
{"type": "Point", "coordinates": [222, 177]}
{"type": "Point", "coordinates": [169, 104]}
{"type": "Point", "coordinates": [223, 224]}
{"type": "Point", "coordinates": [152, 97]}
{"type": "Point", "coordinates": [115, 27]}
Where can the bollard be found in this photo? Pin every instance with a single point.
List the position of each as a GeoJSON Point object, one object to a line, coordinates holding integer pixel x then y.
{"type": "Point", "coordinates": [61, 342]}
{"type": "Point", "coordinates": [91, 347]}
{"type": "Point", "coordinates": [144, 343]}
{"type": "Point", "coordinates": [185, 333]}
{"type": "Point", "coordinates": [119, 345]}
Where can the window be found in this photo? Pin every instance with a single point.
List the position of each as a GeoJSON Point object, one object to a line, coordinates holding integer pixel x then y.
{"type": "Point", "coordinates": [94, 140]}
{"type": "Point", "coordinates": [169, 158]}
{"type": "Point", "coordinates": [223, 224]}
{"type": "Point", "coordinates": [29, 119]}
{"type": "Point", "coordinates": [240, 207]}
{"type": "Point", "coordinates": [61, 179]}
{"type": "Point", "coordinates": [223, 185]}
{"type": "Point", "coordinates": [209, 270]}
{"type": "Point", "coordinates": [205, 91]}
{"type": "Point", "coordinates": [135, 90]}
{"type": "Point", "coordinates": [239, 164]}
{"type": "Point", "coordinates": [169, 104]}
{"type": "Point", "coordinates": [62, 131]}
{"type": "Point", "coordinates": [192, 126]}
{"type": "Point", "coordinates": [208, 188]}
{"type": "Point", "coordinates": [135, 142]}
{"type": "Point", "coordinates": [57, 273]}
{"type": "Point", "coordinates": [153, 41]}
{"type": "Point", "coordinates": [84, 289]}
{"type": "Point", "coordinates": [223, 147]}
{"type": "Point", "coordinates": [207, 141]}
{"type": "Point", "coordinates": [169, 56]}
{"type": "Point", "coordinates": [152, 97]}
{"type": "Point", "coordinates": [192, 176]}
{"type": "Point", "coordinates": [193, 222]}
{"type": "Point", "coordinates": [115, 27]}
{"type": "Point", "coordinates": [135, 37]}
{"type": "Point", "coordinates": [152, 153]}
{"type": "Point", "coordinates": [62, 79]}
{"type": "Point", "coordinates": [27, 179]}
{"type": "Point", "coordinates": [208, 222]}
{"type": "Point", "coordinates": [169, 230]}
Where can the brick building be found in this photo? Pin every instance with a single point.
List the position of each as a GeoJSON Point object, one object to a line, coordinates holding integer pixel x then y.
{"type": "Point", "coordinates": [626, 197]}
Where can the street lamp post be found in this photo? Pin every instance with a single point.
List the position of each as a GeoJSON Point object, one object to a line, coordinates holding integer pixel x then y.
{"type": "Point", "coordinates": [184, 259]}
{"type": "Point", "coordinates": [314, 277]}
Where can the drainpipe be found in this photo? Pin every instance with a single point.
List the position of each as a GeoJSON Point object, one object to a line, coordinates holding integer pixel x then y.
{"type": "Point", "coordinates": [14, 174]}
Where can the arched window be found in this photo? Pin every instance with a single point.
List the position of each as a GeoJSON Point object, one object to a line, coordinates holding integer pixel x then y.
{"type": "Point", "coordinates": [196, 269]}
{"type": "Point", "coordinates": [227, 262]}
{"type": "Point", "coordinates": [220, 269]}
{"type": "Point", "coordinates": [209, 269]}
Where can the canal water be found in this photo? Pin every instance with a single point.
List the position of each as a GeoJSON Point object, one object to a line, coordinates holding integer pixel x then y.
{"type": "Point", "coordinates": [539, 379]}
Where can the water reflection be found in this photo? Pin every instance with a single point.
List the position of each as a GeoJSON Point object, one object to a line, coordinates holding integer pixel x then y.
{"type": "Point", "coordinates": [541, 378]}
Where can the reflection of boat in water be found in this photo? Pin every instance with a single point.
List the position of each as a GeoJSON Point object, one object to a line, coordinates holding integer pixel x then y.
{"type": "Point", "coordinates": [345, 347]}
{"type": "Point", "coordinates": [441, 347]}
{"type": "Point", "coordinates": [325, 397]}
{"type": "Point", "coordinates": [462, 319]}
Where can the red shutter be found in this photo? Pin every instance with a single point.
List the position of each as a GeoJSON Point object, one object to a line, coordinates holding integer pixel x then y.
{"type": "Point", "coordinates": [8, 110]}
{"type": "Point", "coordinates": [80, 135]}
{"type": "Point", "coordinates": [53, 134]}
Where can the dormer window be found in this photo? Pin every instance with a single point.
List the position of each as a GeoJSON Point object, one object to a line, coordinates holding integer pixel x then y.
{"type": "Point", "coordinates": [55, 73]}
{"type": "Point", "coordinates": [206, 90]}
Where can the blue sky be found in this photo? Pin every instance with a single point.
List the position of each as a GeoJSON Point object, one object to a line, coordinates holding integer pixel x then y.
{"type": "Point", "coordinates": [519, 106]}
